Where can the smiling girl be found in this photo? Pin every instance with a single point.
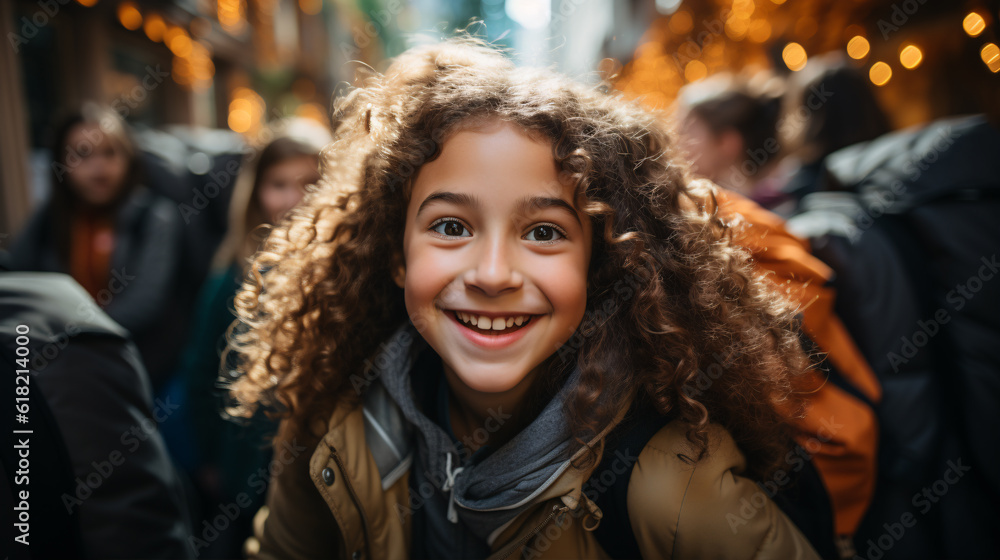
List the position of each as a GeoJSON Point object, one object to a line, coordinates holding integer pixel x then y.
{"type": "Point", "coordinates": [499, 264]}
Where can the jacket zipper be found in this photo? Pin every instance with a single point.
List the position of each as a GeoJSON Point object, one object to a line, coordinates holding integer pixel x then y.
{"type": "Point", "coordinates": [354, 497]}
{"type": "Point", "coordinates": [556, 509]}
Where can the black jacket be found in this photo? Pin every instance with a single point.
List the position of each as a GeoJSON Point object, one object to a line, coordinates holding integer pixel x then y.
{"type": "Point", "coordinates": [121, 484]}
{"type": "Point", "coordinates": [909, 223]}
{"type": "Point", "coordinates": [144, 269]}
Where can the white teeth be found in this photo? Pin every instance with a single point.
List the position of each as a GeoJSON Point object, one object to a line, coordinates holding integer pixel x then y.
{"type": "Point", "coordinates": [496, 324]}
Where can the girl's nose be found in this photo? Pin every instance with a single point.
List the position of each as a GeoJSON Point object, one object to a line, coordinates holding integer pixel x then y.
{"type": "Point", "coordinates": [494, 270]}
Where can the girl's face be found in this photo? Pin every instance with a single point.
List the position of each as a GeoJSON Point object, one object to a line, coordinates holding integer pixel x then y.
{"type": "Point", "coordinates": [95, 164]}
{"type": "Point", "coordinates": [283, 185]}
{"type": "Point", "coordinates": [492, 237]}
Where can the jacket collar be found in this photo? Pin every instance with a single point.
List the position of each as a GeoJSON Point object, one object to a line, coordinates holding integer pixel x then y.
{"type": "Point", "coordinates": [377, 425]}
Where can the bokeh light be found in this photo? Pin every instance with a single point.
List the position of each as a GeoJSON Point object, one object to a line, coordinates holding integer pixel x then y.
{"type": "Point", "coordinates": [973, 24]}
{"type": "Point", "coordinates": [154, 27]}
{"type": "Point", "coordinates": [858, 47]}
{"type": "Point", "coordinates": [880, 73]}
{"type": "Point", "coordinates": [794, 56]}
{"type": "Point", "coordinates": [990, 54]}
{"type": "Point", "coordinates": [910, 57]}
{"type": "Point", "coordinates": [129, 16]}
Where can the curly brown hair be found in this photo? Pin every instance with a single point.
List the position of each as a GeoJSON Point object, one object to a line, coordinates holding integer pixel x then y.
{"type": "Point", "coordinates": [320, 296]}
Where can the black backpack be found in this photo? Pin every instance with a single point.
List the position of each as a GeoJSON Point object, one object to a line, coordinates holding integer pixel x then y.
{"type": "Point", "coordinates": [908, 222]}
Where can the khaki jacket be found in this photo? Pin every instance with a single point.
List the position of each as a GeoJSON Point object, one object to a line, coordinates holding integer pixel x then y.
{"type": "Point", "coordinates": [327, 501]}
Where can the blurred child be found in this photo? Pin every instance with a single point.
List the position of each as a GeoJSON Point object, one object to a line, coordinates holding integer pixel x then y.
{"type": "Point", "coordinates": [271, 182]}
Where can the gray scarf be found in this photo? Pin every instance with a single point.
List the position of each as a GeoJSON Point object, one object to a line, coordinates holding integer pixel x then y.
{"type": "Point", "coordinates": [473, 501]}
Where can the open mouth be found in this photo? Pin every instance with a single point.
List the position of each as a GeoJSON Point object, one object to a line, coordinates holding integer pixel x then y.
{"type": "Point", "coordinates": [492, 326]}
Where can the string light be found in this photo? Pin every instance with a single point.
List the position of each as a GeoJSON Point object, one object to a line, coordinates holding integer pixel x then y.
{"type": "Point", "coordinates": [695, 70]}
{"type": "Point", "coordinates": [129, 16]}
{"type": "Point", "coordinates": [858, 47]}
{"type": "Point", "coordinates": [880, 73]}
{"type": "Point", "coordinates": [794, 56]}
{"type": "Point", "coordinates": [154, 27]}
{"type": "Point", "coordinates": [974, 24]}
{"type": "Point", "coordinates": [910, 57]}
{"type": "Point", "coordinates": [990, 54]}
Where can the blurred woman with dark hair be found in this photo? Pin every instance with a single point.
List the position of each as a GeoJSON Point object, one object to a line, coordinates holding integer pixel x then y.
{"type": "Point", "coordinates": [101, 226]}
{"type": "Point", "coordinates": [829, 105]}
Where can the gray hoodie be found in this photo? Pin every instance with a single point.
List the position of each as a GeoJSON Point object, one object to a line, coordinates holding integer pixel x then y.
{"type": "Point", "coordinates": [460, 503]}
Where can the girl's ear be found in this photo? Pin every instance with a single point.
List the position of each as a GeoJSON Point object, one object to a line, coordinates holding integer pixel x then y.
{"type": "Point", "coordinates": [399, 274]}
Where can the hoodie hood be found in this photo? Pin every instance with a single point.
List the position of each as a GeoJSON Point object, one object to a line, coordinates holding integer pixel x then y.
{"type": "Point", "coordinates": [483, 494]}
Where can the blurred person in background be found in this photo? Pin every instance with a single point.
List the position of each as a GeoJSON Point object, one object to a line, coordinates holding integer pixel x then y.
{"type": "Point", "coordinates": [829, 105]}
{"type": "Point", "coordinates": [271, 182]}
{"type": "Point", "coordinates": [100, 482]}
{"type": "Point", "coordinates": [728, 126]}
{"type": "Point", "coordinates": [105, 229]}
{"type": "Point", "coordinates": [907, 222]}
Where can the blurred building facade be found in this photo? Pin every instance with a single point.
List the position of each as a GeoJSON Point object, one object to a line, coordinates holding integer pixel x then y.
{"type": "Point", "coordinates": [237, 64]}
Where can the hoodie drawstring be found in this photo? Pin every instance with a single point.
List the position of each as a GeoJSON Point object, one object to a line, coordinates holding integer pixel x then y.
{"type": "Point", "coordinates": [449, 485]}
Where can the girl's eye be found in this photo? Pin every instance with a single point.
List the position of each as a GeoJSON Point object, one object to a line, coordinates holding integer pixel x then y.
{"type": "Point", "coordinates": [450, 228]}
{"type": "Point", "coordinates": [546, 233]}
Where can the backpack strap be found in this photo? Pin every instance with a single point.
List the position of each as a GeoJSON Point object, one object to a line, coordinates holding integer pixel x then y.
{"type": "Point", "coordinates": [805, 502]}
{"type": "Point", "coordinates": [608, 484]}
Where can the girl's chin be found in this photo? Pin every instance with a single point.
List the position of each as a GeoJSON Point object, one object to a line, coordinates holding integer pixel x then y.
{"type": "Point", "coordinates": [490, 384]}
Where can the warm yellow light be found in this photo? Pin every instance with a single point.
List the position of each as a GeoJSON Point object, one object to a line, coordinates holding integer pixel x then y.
{"type": "Point", "coordinates": [129, 16]}
{"type": "Point", "coordinates": [910, 57]}
{"type": "Point", "coordinates": [239, 120]}
{"type": "Point", "coordinates": [87, 3]}
{"type": "Point", "coordinates": [311, 7]}
{"type": "Point", "coordinates": [172, 32]}
{"type": "Point", "coordinates": [681, 22]}
{"type": "Point", "coordinates": [858, 47]}
{"type": "Point", "coordinates": [990, 54]}
{"type": "Point", "coordinates": [154, 27]}
{"type": "Point", "coordinates": [180, 45]}
{"type": "Point", "coordinates": [760, 30]}
{"type": "Point", "coordinates": [241, 104]}
{"type": "Point", "coordinates": [794, 56]}
{"type": "Point", "coordinates": [973, 24]}
{"type": "Point", "coordinates": [231, 14]}
{"type": "Point", "coordinates": [736, 28]}
{"type": "Point", "coordinates": [779, 2]}
{"type": "Point", "coordinates": [880, 73]}
{"type": "Point", "coordinates": [695, 70]}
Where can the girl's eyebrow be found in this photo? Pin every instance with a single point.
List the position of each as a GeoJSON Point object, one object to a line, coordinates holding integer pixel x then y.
{"type": "Point", "coordinates": [524, 205]}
